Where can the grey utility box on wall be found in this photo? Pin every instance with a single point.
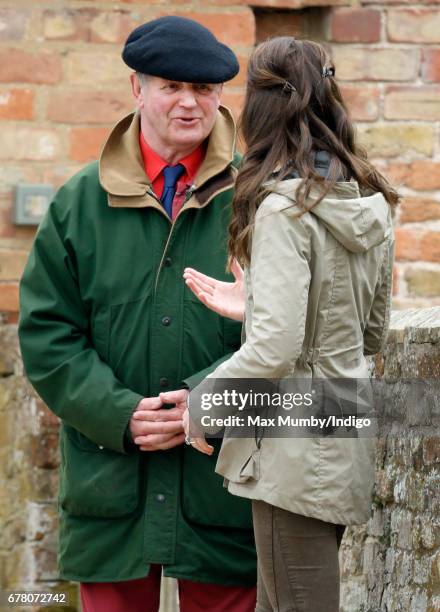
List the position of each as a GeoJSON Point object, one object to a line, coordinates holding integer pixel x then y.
{"type": "Point", "coordinates": [31, 203]}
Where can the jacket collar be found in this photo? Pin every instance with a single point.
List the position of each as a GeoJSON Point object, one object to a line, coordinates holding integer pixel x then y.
{"type": "Point", "coordinates": [122, 173]}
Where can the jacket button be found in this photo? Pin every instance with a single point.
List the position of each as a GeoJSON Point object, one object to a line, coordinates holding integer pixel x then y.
{"type": "Point", "coordinates": [166, 321]}
{"type": "Point", "coordinates": [168, 261]}
{"type": "Point", "coordinates": [160, 497]}
{"type": "Point", "coordinates": [164, 382]}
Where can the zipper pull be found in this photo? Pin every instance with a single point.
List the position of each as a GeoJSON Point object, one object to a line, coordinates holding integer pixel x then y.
{"type": "Point", "coordinates": [191, 189]}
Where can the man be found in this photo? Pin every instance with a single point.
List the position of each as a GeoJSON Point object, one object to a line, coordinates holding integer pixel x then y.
{"type": "Point", "coordinates": [107, 323]}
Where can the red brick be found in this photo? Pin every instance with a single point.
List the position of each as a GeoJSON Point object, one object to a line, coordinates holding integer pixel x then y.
{"type": "Point", "coordinates": [86, 143]}
{"type": "Point", "coordinates": [13, 23]}
{"type": "Point", "coordinates": [417, 245]}
{"type": "Point", "coordinates": [414, 25]}
{"type": "Point", "coordinates": [376, 64]}
{"type": "Point", "coordinates": [88, 25]}
{"type": "Point", "coordinates": [240, 79]}
{"type": "Point", "coordinates": [6, 228]}
{"type": "Point", "coordinates": [362, 102]}
{"type": "Point", "coordinates": [16, 104]}
{"type": "Point", "coordinates": [237, 28]}
{"type": "Point", "coordinates": [412, 103]}
{"type": "Point", "coordinates": [234, 101]}
{"type": "Point", "coordinates": [422, 174]}
{"type": "Point", "coordinates": [279, 23]}
{"type": "Point", "coordinates": [12, 262]}
{"type": "Point", "coordinates": [89, 106]}
{"type": "Point", "coordinates": [27, 67]}
{"type": "Point", "coordinates": [414, 209]}
{"type": "Point", "coordinates": [355, 25]}
{"type": "Point", "coordinates": [425, 175]}
{"type": "Point", "coordinates": [8, 297]}
{"type": "Point", "coordinates": [431, 65]}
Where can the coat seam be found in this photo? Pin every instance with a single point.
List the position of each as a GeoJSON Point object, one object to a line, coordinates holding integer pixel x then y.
{"type": "Point", "coordinates": [326, 330]}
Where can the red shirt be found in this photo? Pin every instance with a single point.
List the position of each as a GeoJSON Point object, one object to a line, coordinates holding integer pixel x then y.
{"type": "Point", "coordinates": [154, 166]}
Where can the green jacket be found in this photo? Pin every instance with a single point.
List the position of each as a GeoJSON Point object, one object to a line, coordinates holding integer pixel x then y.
{"type": "Point", "coordinates": [106, 319]}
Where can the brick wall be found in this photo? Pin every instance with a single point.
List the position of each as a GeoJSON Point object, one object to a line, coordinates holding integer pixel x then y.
{"type": "Point", "coordinates": [63, 84]}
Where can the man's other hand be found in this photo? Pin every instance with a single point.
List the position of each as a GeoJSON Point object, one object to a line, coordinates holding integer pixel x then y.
{"type": "Point", "coordinates": [153, 427]}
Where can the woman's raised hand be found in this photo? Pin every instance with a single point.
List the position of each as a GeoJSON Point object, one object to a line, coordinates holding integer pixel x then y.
{"type": "Point", "coordinates": [227, 299]}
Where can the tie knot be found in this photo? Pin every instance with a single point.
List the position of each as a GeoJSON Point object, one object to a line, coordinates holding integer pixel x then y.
{"type": "Point", "coordinates": [171, 174]}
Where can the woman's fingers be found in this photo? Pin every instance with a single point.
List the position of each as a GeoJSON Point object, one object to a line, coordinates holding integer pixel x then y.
{"type": "Point", "coordinates": [202, 446]}
{"type": "Point", "coordinates": [204, 297]}
{"type": "Point", "coordinates": [201, 285]}
{"type": "Point", "coordinates": [196, 290]}
{"type": "Point", "coordinates": [198, 275]}
{"type": "Point", "coordinates": [208, 300]}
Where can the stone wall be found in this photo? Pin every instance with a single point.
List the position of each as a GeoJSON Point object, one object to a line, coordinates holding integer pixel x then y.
{"type": "Point", "coordinates": [63, 84]}
{"type": "Point", "coordinates": [392, 564]}
{"type": "Point", "coordinates": [28, 481]}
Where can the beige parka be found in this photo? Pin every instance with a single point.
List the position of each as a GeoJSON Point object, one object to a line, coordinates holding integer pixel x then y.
{"type": "Point", "coordinates": [317, 301]}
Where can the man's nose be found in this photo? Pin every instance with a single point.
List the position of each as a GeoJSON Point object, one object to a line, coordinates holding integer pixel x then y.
{"type": "Point", "coordinates": [188, 99]}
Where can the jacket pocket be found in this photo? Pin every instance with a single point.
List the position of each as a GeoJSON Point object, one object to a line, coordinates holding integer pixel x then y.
{"type": "Point", "coordinates": [96, 482]}
{"type": "Point", "coordinates": [205, 500]}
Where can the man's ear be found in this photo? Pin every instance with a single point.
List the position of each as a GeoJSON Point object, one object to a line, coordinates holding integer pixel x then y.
{"type": "Point", "coordinates": [136, 90]}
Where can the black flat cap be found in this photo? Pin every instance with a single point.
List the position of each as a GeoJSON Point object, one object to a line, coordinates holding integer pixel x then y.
{"type": "Point", "coordinates": [179, 49]}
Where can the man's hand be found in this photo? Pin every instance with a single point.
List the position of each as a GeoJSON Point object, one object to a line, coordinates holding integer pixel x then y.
{"type": "Point", "coordinates": [226, 299]}
{"type": "Point", "coordinates": [155, 428]}
{"type": "Point", "coordinates": [179, 398]}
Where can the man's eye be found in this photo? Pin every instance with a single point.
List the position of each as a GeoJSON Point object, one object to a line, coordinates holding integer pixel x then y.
{"type": "Point", "coordinates": [171, 86]}
{"type": "Point", "coordinates": [204, 88]}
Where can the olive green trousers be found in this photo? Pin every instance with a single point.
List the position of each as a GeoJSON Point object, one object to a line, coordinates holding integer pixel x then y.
{"type": "Point", "coordinates": [298, 567]}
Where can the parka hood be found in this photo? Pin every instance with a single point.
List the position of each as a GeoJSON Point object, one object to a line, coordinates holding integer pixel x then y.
{"type": "Point", "coordinates": [358, 222]}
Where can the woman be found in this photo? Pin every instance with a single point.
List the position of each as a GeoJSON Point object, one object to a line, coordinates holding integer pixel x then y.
{"type": "Point", "coordinates": [312, 226]}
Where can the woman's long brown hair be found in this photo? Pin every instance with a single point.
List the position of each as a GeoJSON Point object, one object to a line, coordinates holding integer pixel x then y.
{"type": "Point", "coordinates": [294, 108]}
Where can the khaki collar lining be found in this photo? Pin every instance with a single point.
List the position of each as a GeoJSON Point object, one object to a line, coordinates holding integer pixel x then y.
{"type": "Point", "coordinates": [121, 168]}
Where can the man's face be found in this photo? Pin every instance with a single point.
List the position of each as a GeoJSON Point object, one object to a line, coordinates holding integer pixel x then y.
{"type": "Point", "coordinates": [174, 114]}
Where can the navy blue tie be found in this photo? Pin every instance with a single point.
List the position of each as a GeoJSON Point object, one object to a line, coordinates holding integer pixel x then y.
{"type": "Point", "coordinates": [171, 175]}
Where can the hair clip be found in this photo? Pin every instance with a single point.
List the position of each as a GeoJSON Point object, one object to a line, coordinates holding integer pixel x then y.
{"type": "Point", "coordinates": [328, 71]}
{"type": "Point", "coordinates": [288, 87]}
